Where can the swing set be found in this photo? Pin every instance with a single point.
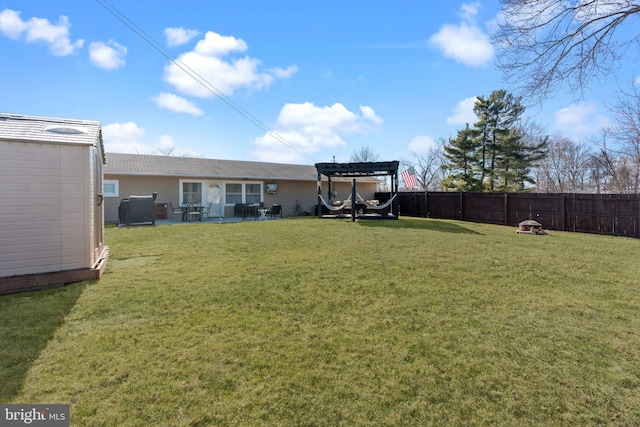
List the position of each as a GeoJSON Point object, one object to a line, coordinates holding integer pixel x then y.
{"type": "Point", "coordinates": [372, 210]}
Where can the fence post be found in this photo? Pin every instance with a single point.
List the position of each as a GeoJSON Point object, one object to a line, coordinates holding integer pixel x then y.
{"type": "Point", "coordinates": [461, 215]}
{"type": "Point", "coordinates": [563, 214]}
{"type": "Point", "coordinates": [506, 208]}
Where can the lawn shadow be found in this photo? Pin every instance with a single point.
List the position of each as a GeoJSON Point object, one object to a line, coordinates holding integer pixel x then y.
{"type": "Point", "coordinates": [28, 321]}
{"type": "Point", "coordinates": [420, 224]}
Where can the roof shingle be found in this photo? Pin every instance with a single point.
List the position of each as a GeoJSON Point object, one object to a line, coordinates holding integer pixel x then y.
{"type": "Point", "coordinates": [153, 165]}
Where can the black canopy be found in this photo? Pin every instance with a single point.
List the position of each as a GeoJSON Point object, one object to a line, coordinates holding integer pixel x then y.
{"type": "Point", "coordinates": [359, 169]}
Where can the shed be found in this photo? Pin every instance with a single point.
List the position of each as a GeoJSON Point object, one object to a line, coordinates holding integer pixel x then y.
{"type": "Point", "coordinates": [51, 211]}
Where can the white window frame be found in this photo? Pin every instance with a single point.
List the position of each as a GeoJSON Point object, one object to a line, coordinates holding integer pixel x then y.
{"type": "Point", "coordinates": [244, 190]}
{"type": "Point", "coordinates": [191, 181]}
{"type": "Point", "coordinates": [116, 184]}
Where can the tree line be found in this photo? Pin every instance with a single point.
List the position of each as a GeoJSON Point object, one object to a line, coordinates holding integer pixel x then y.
{"type": "Point", "coordinates": [542, 46]}
{"type": "Point", "coordinates": [504, 151]}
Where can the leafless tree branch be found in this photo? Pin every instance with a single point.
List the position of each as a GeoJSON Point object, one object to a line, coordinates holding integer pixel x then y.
{"type": "Point", "coordinates": [543, 44]}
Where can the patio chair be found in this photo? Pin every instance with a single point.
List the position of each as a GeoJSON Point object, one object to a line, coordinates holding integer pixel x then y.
{"type": "Point", "coordinates": [206, 212]}
{"type": "Point", "coordinates": [175, 211]}
{"type": "Point", "coordinates": [275, 211]}
{"type": "Point", "coordinates": [238, 209]}
{"type": "Point", "coordinates": [194, 213]}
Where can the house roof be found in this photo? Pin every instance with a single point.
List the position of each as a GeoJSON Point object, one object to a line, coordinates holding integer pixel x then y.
{"type": "Point", "coordinates": [48, 130]}
{"type": "Point", "coordinates": [152, 165]}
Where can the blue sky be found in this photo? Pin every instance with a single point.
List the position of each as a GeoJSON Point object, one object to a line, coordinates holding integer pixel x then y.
{"type": "Point", "coordinates": [328, 78]}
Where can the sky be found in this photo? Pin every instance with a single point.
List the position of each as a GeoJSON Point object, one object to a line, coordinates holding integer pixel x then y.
{"type": "Point", "coordinates": [277, 81]}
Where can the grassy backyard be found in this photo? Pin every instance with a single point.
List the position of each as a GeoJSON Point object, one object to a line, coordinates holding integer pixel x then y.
{"type": "Point", "coordinates": [327, 322]}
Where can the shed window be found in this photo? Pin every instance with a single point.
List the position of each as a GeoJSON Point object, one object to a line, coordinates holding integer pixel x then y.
{"type": "Point", "coordinates": [111, 188]}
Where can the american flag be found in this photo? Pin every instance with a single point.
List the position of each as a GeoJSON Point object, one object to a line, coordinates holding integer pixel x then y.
{"type": "Point", "coordinates": [409, 178]}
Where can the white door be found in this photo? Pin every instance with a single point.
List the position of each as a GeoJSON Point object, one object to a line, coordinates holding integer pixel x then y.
{"type": "Point", "coordinates": [214, 196]}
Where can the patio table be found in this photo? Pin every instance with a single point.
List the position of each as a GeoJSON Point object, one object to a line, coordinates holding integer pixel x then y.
{"type": "Point", "coordinates": [191, 212]}
{"type": "Point", "coordinates": [263, 214]}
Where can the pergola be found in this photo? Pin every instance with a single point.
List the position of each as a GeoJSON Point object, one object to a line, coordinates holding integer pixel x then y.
{"type": "Point", "coordinates": [355, 170]}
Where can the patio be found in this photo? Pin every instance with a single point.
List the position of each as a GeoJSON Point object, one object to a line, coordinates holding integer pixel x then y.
{"type": "Point", "coordinates": [214, 220]}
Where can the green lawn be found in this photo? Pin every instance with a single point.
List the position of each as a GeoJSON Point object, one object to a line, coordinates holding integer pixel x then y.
{"type": "Point", "coordinates": [311, 322]}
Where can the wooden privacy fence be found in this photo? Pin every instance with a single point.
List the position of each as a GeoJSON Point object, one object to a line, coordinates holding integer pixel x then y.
{"type": "Point", "coordinates": [612, 214]}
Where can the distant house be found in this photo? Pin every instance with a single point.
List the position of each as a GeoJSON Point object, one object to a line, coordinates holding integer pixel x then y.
{"type": "Point", "coordinates": [51, 205]}
{"type": "Point", "coordinates": [223, 183]}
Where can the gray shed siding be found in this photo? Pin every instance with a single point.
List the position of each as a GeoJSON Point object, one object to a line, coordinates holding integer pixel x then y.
{"type": "Point", "coordinates": [44, 189]}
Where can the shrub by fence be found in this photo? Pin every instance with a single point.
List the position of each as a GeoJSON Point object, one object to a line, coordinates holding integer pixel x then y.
{"type": "Point", "coordinates": [612, 214]}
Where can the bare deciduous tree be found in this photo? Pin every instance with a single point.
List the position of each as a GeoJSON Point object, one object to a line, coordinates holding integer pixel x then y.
{"type": "Point", "coordinates": [626, 132]}
{"type": "Point", "coordinates": [428, 166]}
{"type": "Point", "coordinates": [165, 150]}
{"type": "Point", "coordinates": [565, 168]}
{"type": "Point", "coordinates": [542, 44]}
{"type": "Point", "coordinates": [365, 154]}
{"type": "Point", "coordinates": [614, 172]}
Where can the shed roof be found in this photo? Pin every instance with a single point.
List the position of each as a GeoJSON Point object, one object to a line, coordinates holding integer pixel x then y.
{"type": "Point", "coordinates": [49, 130]}
{"type": "Point", "coordinates": [154, 165]}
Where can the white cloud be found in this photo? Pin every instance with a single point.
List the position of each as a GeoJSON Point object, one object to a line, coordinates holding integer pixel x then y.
{"type": "Point", "coordinates": [422, 144]}
{"type": "Point", "coordinates": [107, 56]}
{"type": "Point", "coordinates": [284, 73]}
{"type": "Point", "coordinates": [468, 11]}
{"type": "Point", "coordinates": [167, 146]}
{"type": "Point", "coordinates": [177, 104]}
{"type": "Point", "coordinates": [11, 25]}
{"type": "Point", "coordinates": [466, 42]}
{"type": "Point", "coordinates": [463, 113]}
{"type": "Point", "coordinates": [369, 114]}
{"type": "Point", "coordinates": [578, 121]}
{"type": "Point", "coordinates": [225, 75]}
{"type": "Point", "coordinates": [127, 138]}
{"type": "Point", "coordinates": [637, 80]}
{"type": "Point", "coordinates": [123, 138]}
{"type": "Point", "coordinates": [40, 30]}
{"type": "Point", "coordinates": [310, 128]}
{"type": "Point", "coordinates": [179, 36]}
{"type": "Point", "coordinates": [215, 44]}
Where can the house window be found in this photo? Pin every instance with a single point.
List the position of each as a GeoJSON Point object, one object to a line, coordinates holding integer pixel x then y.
{"type": "Point", "coordinates": [253, 193]}
{"type": "Point", "coordinates": [245, 192]}
{"type": "Point", "coordinates": [111, 188]}
{"type": "Point", "coordinates": [233, 193]}
{"type": "Point", "coordinates": [191, 193]}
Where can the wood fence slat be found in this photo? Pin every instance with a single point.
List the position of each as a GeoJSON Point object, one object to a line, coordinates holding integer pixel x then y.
{"type": "Point", "coordinates": [610, 214]}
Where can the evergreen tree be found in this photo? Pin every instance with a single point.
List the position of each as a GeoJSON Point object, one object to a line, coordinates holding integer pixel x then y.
{"type": "Point", "coordinates": [462, 163]}
{"type": "Point", "coordinates": [496, 154]}
{"type": "Point", "coordinates": [522, 157]}
{"type": "Point", "coordinates": [497, 117]}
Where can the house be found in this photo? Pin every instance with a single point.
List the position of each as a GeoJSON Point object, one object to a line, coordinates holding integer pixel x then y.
{"type": "Point", "coordinates": [224, 183]}
{"type": "Point", "coordinates": [51, 205]}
